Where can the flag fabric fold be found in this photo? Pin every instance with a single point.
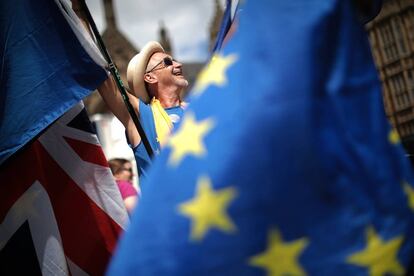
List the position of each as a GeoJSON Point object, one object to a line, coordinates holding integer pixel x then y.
{"type": "Point", "coordinates": [284, 163]}
{"type": "Point", "coordinates": [45, 69]}
{"type": "Point", "coordinates": [227, 23]}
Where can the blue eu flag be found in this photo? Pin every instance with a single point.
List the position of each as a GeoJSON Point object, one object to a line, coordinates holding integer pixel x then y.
{"type": "Point", "coordinates": [284, 163]}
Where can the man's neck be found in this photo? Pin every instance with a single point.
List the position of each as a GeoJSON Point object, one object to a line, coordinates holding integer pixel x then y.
{"type": "Point", "coordinates": [169, 98]}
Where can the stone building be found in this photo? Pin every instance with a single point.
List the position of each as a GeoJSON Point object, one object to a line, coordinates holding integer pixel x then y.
{"type": "Point", "coordinates": [391, 35]}
{"type": "Point", "coordinates": [121, 51]}
{"type": "Point", "coordinates": [164, 38]}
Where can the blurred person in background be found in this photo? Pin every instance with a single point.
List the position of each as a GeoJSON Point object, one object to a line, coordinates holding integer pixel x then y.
{"type": "Point", "coordinates": [122, 170]}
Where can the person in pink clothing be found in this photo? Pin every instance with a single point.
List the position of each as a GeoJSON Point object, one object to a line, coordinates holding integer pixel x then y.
{"type": "Point", "coordinates": [122, 171]}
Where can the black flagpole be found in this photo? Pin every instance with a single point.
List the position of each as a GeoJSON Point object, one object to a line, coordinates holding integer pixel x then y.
{"type": "Point", "coordinates": [115, 74]}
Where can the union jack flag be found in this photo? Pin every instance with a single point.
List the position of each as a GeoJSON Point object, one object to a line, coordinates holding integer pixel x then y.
{"type": "Point", "coordinates": [60, 210]}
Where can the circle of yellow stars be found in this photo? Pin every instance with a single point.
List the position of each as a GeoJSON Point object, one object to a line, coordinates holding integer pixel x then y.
{"type": "Point", "coordinates": [207, 210]}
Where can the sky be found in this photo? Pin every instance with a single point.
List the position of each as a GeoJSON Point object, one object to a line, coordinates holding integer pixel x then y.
{"type": "Point", "coordinates": [187, 23]}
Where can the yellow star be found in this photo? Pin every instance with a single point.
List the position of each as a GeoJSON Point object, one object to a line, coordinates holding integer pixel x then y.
{"type": "Point", "coordinates": [281, 258]}
{"type": "Point", "coordinates": [409, 191]}
{"type": "Point", "coordinates": [214, 73]}
{"type": "Point", "coordinates": [208, 209]}
{"type": "Point", "coordinates": [189, 139]}
{"type": "Point", "coordinates": [393, 137]}
{"type": "Point", "coordinates": [379, 257]}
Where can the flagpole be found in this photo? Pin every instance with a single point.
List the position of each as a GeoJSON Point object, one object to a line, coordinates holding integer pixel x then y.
{"type": "Point", "coordinates": [115, 73]}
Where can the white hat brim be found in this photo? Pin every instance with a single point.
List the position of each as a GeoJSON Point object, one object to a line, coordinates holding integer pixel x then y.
{"type": "Point", "coordinates": [136, 70]}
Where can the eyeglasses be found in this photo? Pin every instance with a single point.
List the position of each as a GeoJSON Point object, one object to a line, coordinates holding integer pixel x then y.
{"type": "Point", "coordinates": [167, 62]}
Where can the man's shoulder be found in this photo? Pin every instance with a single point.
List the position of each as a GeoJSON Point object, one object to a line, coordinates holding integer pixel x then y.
{"type": "Point", "coordinates": [143, 106]}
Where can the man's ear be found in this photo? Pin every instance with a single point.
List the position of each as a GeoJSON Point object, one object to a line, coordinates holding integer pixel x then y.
{"type": "Point", "coordinates": [150, 78]}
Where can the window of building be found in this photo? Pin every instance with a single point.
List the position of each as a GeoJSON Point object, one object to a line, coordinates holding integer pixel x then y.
{"type": "Point", "coordinates": [399, 35]}
{"type": "Point", "coordinates": [399, 91]}
{"type": "Point", "coordinates": [410, 79]}
{"type": "Point", "coordinates": [409, 19]}
{"type": "Point", "coordinates": [401, 83]}
{"type": "Point", "coordinates": [411, 128]}
{"type": "Point", "coordinates": [406, 99]}
{"type": "Point", "coordinates": [402, 130]}
{"type": "Point", "coordinates": [389, 44]}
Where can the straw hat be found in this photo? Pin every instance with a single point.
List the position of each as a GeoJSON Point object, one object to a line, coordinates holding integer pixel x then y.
{"type": "Point", "coordinates": [136, 70]}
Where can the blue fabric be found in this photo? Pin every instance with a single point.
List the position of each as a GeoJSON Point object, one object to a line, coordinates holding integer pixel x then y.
{"type": "Point", "coordinates": [300, 135]}
{"type": "Point", "coordinates": [141, 155]}
{"type": "Point", "coordinates": [147, 121]}
{"type": "Point", "coordinates": [176, 111]}
{"type": "Point", "coordinates": [44, 70]}
{"type": "Point", "coordinates": [224, 27]}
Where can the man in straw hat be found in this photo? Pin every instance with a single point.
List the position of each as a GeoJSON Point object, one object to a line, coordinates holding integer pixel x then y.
{"type": "Point", "coordinates": [155, 83]}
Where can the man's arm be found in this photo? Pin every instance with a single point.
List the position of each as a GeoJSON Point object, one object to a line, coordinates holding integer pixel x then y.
{"type": "Point", "coordinates": [110, 94]}
{"type": "Point", "coordinates": [115, 103]}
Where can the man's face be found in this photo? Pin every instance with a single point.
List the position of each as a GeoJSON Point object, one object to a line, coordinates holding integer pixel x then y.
{"type": "Point", "coordinates": [167, 71]}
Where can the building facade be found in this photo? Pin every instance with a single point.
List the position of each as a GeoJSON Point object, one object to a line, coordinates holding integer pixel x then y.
{"type": "Point", "coordinates": [121, 51]}
{"type": "Point", "coordinates": [391, 36]}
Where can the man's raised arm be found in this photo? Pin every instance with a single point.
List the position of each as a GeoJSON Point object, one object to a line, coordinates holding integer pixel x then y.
{"type": "Point", "coordinates": [110, 94]}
